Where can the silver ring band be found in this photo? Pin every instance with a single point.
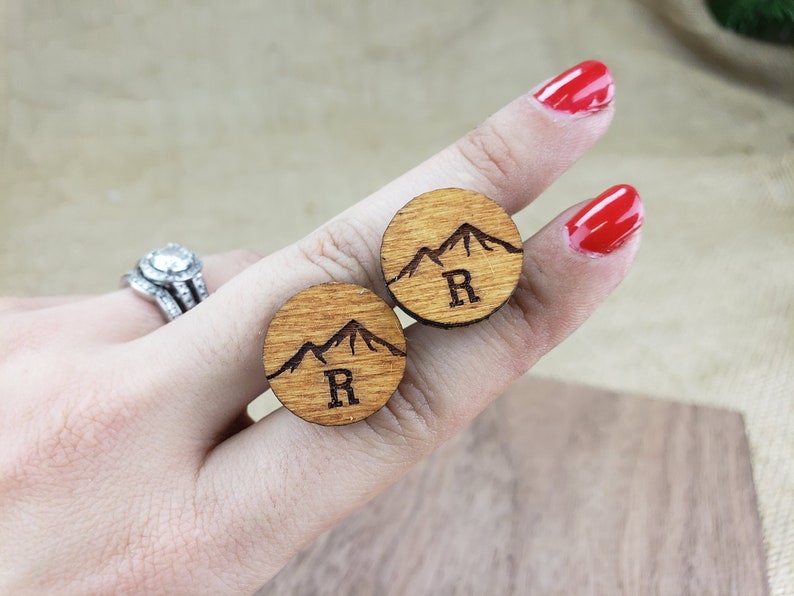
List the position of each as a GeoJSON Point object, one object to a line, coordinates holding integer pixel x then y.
{"type": "Point", "coordinates": [160, 296]}
{"type": "Point", "coordinates": [171, 278]}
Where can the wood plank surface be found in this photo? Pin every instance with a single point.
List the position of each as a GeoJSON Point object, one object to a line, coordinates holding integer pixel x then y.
{"type": "Point", "coordinates": [558, 489]}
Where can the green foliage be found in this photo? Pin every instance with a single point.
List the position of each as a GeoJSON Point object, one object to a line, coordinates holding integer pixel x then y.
{"type": "Point", "coordinates": [769, 20]}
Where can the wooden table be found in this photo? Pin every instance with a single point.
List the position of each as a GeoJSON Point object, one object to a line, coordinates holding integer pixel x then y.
{"type": "Point", "coordinates": [558, 489]}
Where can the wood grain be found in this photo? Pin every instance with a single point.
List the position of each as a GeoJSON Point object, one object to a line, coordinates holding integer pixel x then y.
{"type": "Point", "coordinates": [334, 353]}
{"type": "Point", "coordinates": [451, 257]}
{"type": "Point", "coordinates": [558, 489]}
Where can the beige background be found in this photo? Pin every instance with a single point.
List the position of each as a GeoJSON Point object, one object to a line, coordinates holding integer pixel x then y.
{"type": "Point", "coordinates": [126, 125]}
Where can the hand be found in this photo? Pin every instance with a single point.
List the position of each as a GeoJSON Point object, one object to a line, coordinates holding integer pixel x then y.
{"type": "Point", "coordinates": [127, 464]}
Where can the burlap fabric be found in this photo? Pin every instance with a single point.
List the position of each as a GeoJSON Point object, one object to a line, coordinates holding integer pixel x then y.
{"type": "Point", "coordinates": [248, 123]}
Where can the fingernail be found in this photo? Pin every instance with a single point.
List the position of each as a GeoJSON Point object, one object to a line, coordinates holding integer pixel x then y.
{"type": "Point", "coordinates": [587, 87]}
{"type": "Point", "coordinates": [606, 222]}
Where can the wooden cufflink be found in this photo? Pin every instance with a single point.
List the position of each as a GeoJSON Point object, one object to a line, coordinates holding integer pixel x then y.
{"type": "Point", "coordinates": [334, 353]}
{"type": "Point", "coordinates": [451, 257]}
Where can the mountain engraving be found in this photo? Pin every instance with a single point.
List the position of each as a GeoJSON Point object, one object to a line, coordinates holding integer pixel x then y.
{"type": "Point", "coordinates": [350, 332]}
{"type": "Point", "coordinates": [464, 234]}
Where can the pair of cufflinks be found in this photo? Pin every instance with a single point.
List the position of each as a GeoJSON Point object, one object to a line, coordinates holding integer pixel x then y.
{"type": "Point", "coordinates": [335, 353]}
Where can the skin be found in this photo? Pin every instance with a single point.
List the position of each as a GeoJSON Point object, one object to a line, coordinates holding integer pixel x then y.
{"type": "Point", "coordinates": [126, 462]}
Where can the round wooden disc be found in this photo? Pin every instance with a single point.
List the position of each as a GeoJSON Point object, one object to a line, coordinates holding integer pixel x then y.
{"type": "Point", "coordinates": [451, 257]}
{"type": "Point", "coordinates": [334, 353]}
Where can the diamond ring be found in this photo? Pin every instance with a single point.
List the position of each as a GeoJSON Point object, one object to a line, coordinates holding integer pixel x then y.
{"type": "Point", "coordinates": [171, 278]}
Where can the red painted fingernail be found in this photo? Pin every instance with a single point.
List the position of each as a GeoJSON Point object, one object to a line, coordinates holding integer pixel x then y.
{"type": "Point", "coordinates": [606, 222]}
{"type": "Point", "coordinates": [587, 87]}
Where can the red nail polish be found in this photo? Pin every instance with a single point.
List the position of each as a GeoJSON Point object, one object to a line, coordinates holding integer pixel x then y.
{"type": "Point", "coordinates": [606, 222]}
{"type": "Point", "coordinates": [587, 87]}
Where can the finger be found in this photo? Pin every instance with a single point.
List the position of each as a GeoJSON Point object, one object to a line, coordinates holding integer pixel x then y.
{"type": "Point", "coordinates": [122, 315]}
{"type": "Point", "coordinates": [511, 157]}
{"type": "Point", "coordinates": [219, 269]}
{"type": "Point", "coordinates": [143, 317]}
{"type": "Point", "coordinates": [289, 480]}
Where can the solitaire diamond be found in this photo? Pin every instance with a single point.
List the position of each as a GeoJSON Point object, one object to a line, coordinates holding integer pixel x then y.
{"type": "Point", "coordinates": [170, 264]}
{"type": "Point", "coordinates": [170, 277]}
{"type": "Point", "coordinates": [172, 259]}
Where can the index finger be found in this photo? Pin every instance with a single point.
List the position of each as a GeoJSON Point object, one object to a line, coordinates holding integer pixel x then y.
{"type": "Point", "coordinates": [215, 349]}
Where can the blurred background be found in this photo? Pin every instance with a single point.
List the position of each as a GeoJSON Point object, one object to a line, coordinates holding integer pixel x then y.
{"type": "Point", "coordinates": [247, 124]}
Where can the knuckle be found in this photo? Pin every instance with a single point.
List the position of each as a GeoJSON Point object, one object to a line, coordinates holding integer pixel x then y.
{"type": "Point", "coordinates": [409, 419]}
{"type": "Point", "coordinates": [532, 296]}
{"type": "Point", "coordinates": [529, 312]}
{"type": "Point", "coordinates": [513, 337]}
{"type": "Point", "coordinates": [490, 154]}
{"type": "Point", "coordinates": [343, 251]}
